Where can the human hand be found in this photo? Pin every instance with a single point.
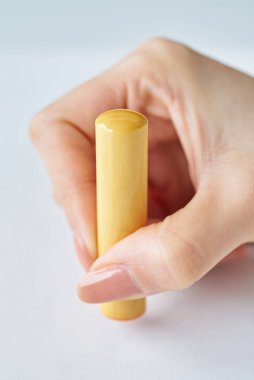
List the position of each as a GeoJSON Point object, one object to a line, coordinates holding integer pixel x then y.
{"type": "Point", "coordinates": [201, 168]}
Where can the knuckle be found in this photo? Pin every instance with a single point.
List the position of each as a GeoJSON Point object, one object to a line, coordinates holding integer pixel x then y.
{"type": "Point", "coordinates": [158, 43]}
{"type": "Point", "coordinates": [33, 128]}
{"type": "Point", "coordinates": [165, 45]}
{"type": "Point", "coordinates": [39, 124]}
{"type": "Point", "coordinates": [161, 53]}
{"type": "Point", "coordinates": [36, 125]}
{"type": "Point", "coordinates": [181, 257]}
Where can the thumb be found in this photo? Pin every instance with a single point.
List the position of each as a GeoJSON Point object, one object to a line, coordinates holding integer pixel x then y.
{"type": "Point", "coordinates": [169, 255]}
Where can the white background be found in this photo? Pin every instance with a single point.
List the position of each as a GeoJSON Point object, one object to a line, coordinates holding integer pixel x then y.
{"type": "Point", "coordinates": [206, 332]}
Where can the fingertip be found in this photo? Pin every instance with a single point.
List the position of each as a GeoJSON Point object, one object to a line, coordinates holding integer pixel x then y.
{"type": "Point", "coordinates": [107, 284]}
{"type": "Point", "coordinates": [83, 253]}
{"type": "Point", "coordinates": [84, 296]}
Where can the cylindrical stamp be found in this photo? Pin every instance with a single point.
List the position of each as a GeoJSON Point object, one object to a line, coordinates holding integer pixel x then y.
{"type": "Point", "coordinates": [121, 181]}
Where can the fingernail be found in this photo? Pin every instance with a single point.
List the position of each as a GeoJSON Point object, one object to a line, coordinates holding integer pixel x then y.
{"type": "Point", "coordinates": [107, 285]}
{"type": "Point", "coordinates": [82, 252]}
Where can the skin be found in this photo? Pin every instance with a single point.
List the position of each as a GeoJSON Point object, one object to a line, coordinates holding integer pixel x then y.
{"type": "Point", "coordinates": [201, 168]}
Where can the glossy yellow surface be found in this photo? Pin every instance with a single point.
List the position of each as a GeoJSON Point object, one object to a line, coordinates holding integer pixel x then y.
{"type": "Point", "coordinates": [121, 177]}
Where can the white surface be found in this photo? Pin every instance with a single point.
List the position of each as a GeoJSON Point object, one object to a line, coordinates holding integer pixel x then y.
{"type": "Point", "coordinates": [30, 23]}
{"type": "Point", "coordinates": [206, 332]}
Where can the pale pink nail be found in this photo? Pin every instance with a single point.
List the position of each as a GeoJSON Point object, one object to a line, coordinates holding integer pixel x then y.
{"type": "Point", "coordinates": [82, 252]}
{"type": "Point", "coordinates": [107, 285]}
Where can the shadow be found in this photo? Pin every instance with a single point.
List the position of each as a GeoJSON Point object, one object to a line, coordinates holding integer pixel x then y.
{"type": "Point", "coordinates": [226, 291]}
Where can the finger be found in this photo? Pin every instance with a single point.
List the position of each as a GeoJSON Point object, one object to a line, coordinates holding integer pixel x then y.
{"type": "Point", "coordinates": [238, 253]}
{"type": "Point", "coordinates": [83, 254]}
{"type": "Point", "coordinates": [169, 255]}
{"type": "Point", "coordinates": [64, 135]}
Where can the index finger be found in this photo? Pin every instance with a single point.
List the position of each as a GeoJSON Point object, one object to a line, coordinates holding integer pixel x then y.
{"type": "Point", "coordinates": [64, 135]}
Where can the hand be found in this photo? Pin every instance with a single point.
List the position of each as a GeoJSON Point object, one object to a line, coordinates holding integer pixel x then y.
{"type": "Point", "coordinates": [201, 168]}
